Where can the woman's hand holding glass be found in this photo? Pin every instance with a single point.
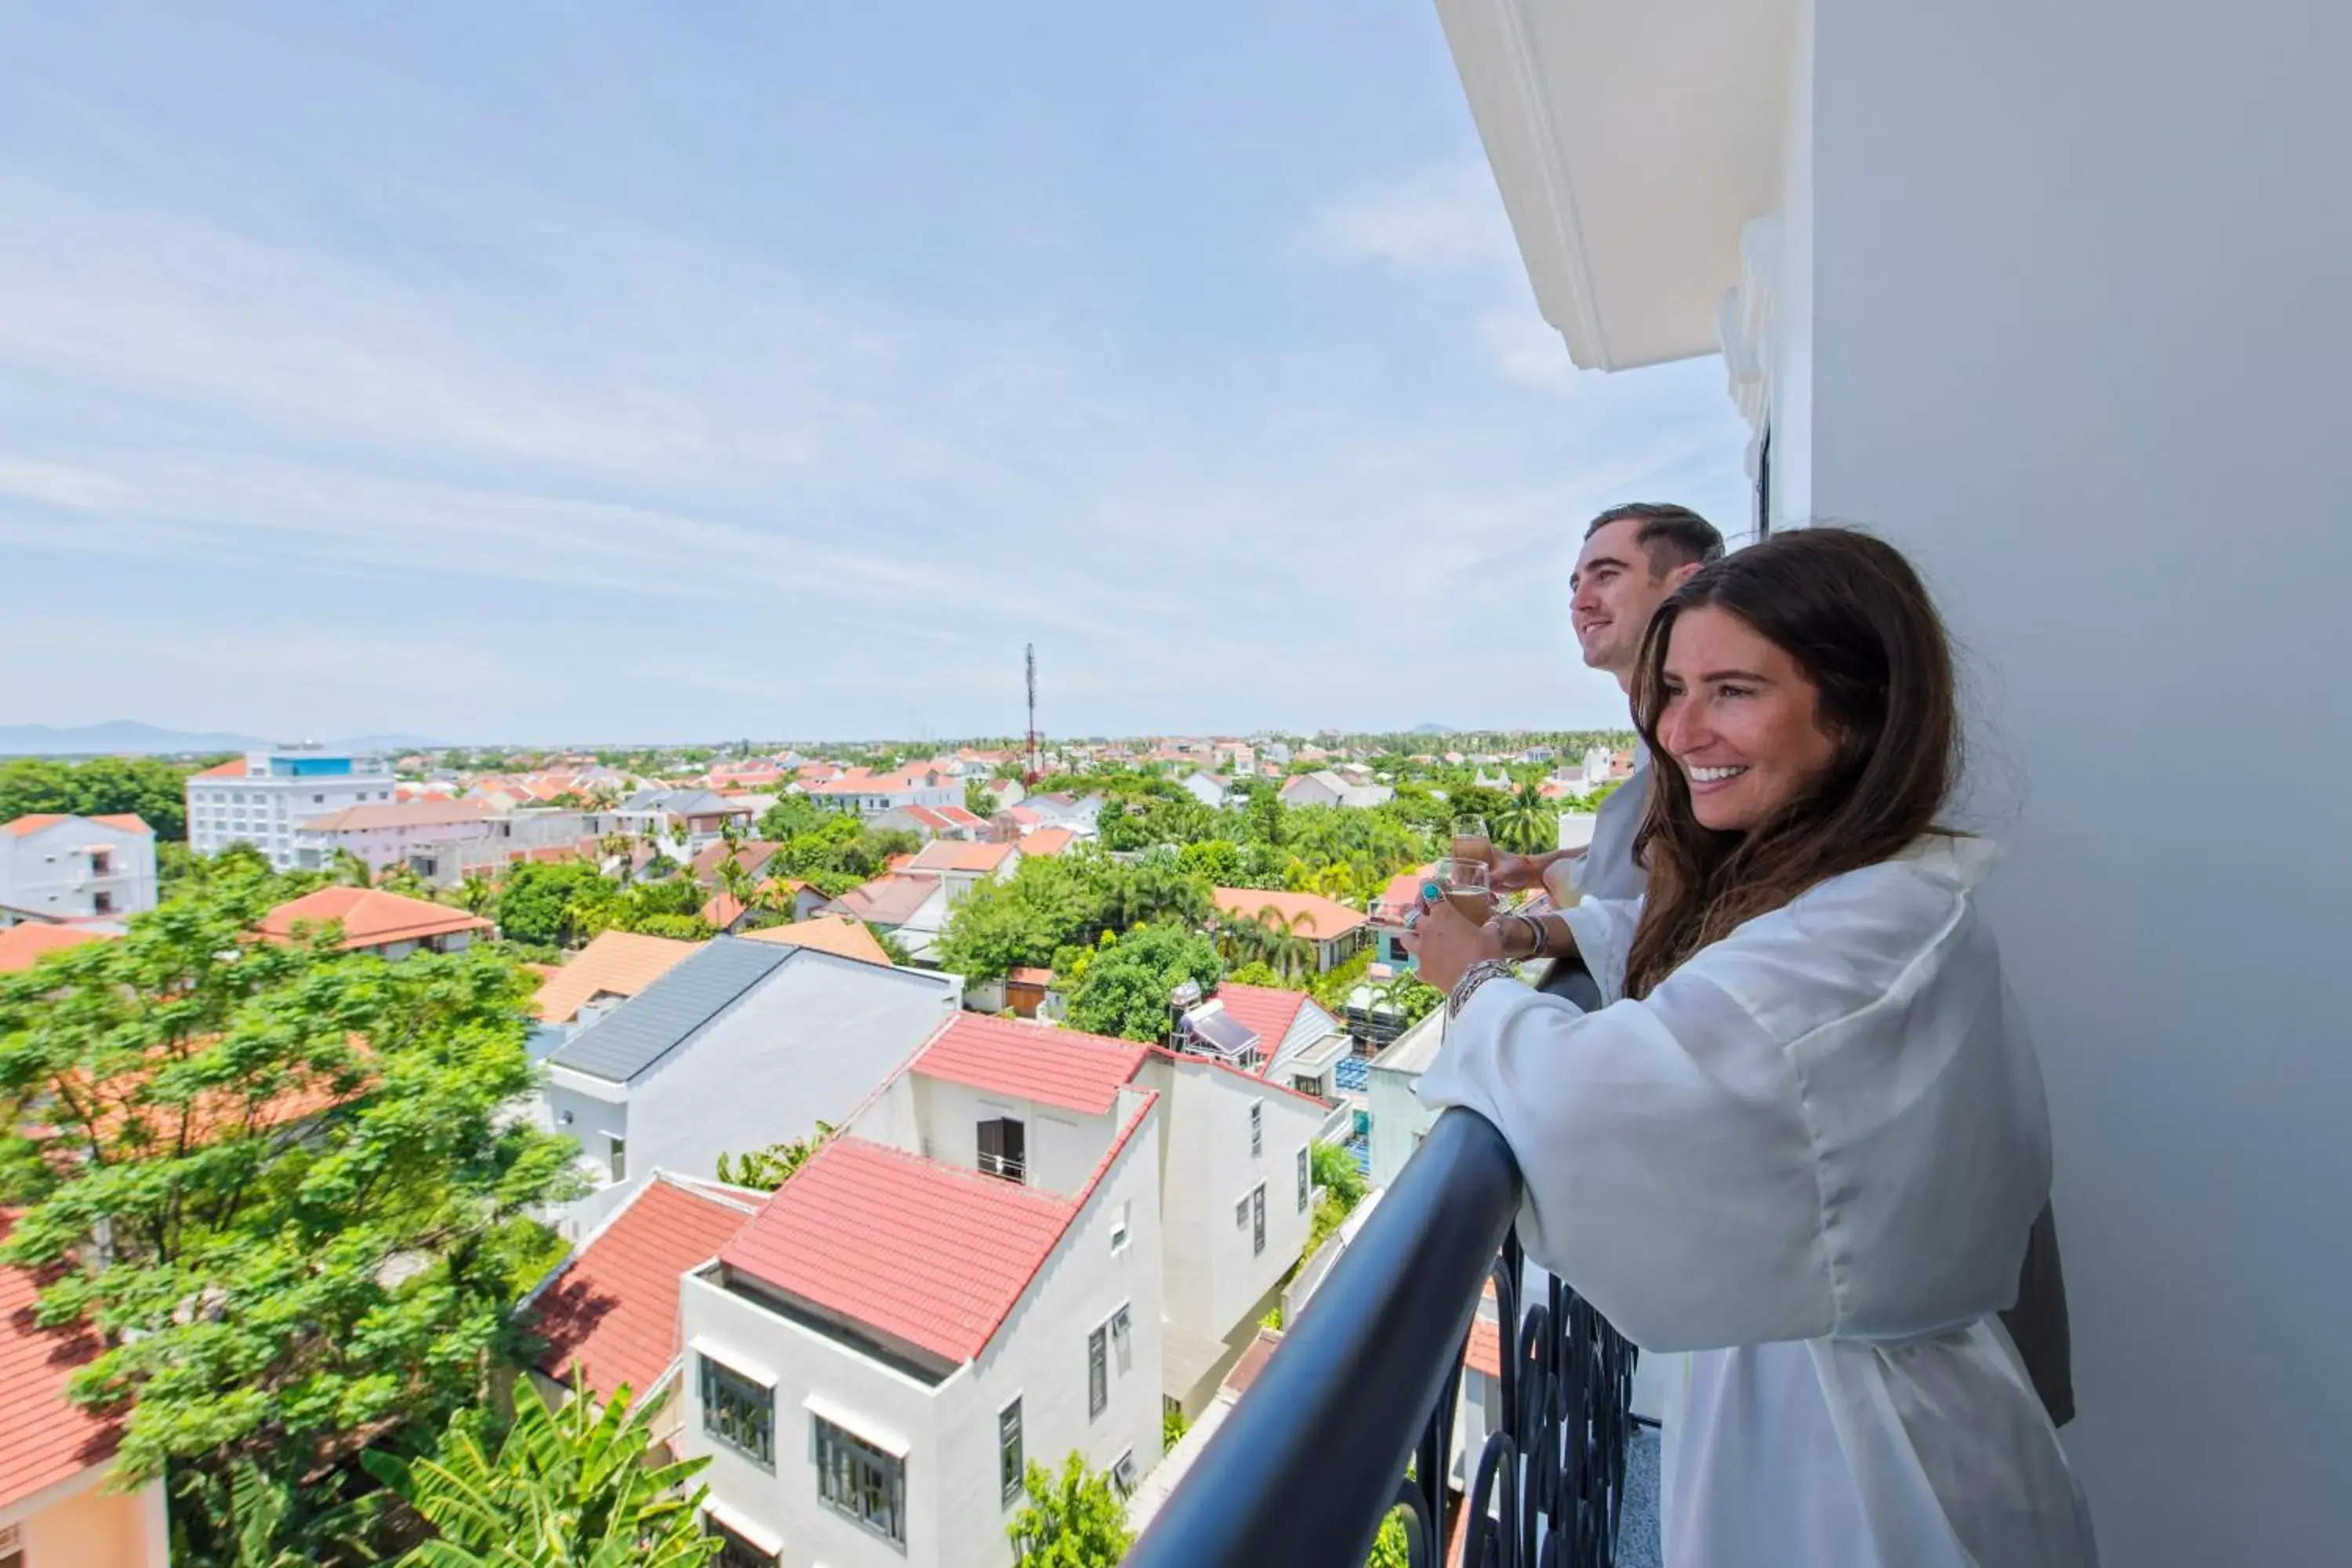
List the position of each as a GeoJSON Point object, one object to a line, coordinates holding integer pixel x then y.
{"type": "Point", "coordinates": [1451, 929]}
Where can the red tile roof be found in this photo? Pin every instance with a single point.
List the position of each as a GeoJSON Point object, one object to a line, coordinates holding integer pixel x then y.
{"type": "Point", "coordinates": [232, 769]}
{"type": "Point", "coordinates": [612, 1311]}
{"type": "Point", "coordinates": [1063, 1067]}
{"type": "Point", "coordinates": [752, 854]}
{"type": "Point", "coordinates": [617, 964]}
{"type": "Point", "coordinates": [22, 945]}
{"type": "Point", "coordinates": [1266, 1011]}
{"type": "Point", "coordinates": [121, 822]}
{"type": "Point", "coordinates": [399, 813]}
{"type": "Point", "coordinates": [890, 901]}
{"type": "Point", "coordinates": [919, 1250]}
{"type": "Point", "coordinates": [835, 935]}
{"type": "Point", "coordinates": [722, 909]}
{"type": "Point", "coordinates": [44, 1440]}
{"type": "Point", "coordinates": [371, 917]}
{"type": "Point", "coordinates": [1485, 1350]}
{"type": "Point", "coordinates": [1311, 914]}
{"type": "Point", "coordinates": [1254, 1358]}
{"type": "Point", "coordinates": [1044, 843]}
{"type": "Point", "coordinates": [952, 855]}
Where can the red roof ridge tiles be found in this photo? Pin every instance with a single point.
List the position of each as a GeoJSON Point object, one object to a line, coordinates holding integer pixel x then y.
{"type": "Point", "coordinates": [370, 916]}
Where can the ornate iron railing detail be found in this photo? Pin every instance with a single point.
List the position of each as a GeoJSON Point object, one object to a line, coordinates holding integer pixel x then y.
{"type": "Point", "coordinates": [1365, 1387]}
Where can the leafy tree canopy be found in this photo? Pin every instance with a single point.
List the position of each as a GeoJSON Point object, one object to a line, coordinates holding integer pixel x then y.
{"type": "Point", "coordinates": [1126, 989]}
{"type": "Point", "coordinates": [104, 786]}
{"type": "Point", "coordinates": [1075, 1519]}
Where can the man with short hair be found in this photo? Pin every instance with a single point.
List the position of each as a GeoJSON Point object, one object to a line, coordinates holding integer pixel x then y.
{"type": "Point", "coordinates": [1633, 556]}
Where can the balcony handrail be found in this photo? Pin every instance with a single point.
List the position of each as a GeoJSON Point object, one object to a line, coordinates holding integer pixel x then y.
{"type": "Point", "coordinates": [1310, 1461]}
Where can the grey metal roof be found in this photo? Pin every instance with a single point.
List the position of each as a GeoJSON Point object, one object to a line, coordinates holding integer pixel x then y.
{"type": "Point", "coordinates": [665, 1015]}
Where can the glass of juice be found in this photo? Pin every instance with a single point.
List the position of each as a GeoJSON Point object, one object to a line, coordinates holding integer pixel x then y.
{"type": "Point", "coordinates": [1471, 841]}
{"type": "Point", "coordinates": [1463, 885]}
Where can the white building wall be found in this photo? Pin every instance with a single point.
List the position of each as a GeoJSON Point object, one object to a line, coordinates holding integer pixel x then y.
{"type": "Point", "coordinates": [1063, 1146]}
{"type": "Point", "coordinates": [382, 847]}
{"type": "Point", "coordinates": [955, 1510]}
{"type": "Point", "coordinates": [2073, 336]}
{"type": "Point", "coordinates": [263, 808]}
{"type": "Point", "coordinates": [51, 871]}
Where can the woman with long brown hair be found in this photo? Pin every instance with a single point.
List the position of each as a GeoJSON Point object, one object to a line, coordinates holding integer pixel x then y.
{"type": "Point", "coordinates": [1804, 1141]}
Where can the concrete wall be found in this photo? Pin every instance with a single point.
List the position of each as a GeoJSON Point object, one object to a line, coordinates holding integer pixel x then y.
{"type": "Point", "coordinates": [2075, 337]}
{"type": "Point", "coordinates": [83, 1524]}
{"type": "Point", "coordinates": [49, 870]}
{"type": "Point", "coordinates": [1063, 1146]}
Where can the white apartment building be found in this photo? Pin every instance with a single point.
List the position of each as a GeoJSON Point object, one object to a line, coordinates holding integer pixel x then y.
{"type": "Point", "coordinates": [1026, 1244]}
{"type": "Point", "coordinates": [57, 866]}
{"type": "Point", "coordinates": [262, 797]}
{"type": "Point", "coordinates": [389, 833]}
{"type": "Point", "coordinates": [869, 794]}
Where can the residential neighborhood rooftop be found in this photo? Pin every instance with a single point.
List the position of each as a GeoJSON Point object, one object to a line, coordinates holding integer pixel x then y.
{"type": "Point", "coordinates": [1063, 1067]}
{"type": "Point", "coordinates": [836, 934]}
{"type": "Point", "coordinates": [370, 918]}
{"type": "Point", "coordinates": [670, 1010]}
{"type": "Point", "coordinates": [45, 1438]}
{"type": "Point", "coordinates": [953, 855]}
{"type": "Point", "coordinates": [21, 946]}
{"type": "Point", "coordinates": [914, 1249]}
{"type": "Point", "coordinates": [121, 822]}
{"type": "Point", "coordinates": [1310, 914]}
{"type": "Point", "coordinates": [399, 813]}
{"type": "Point", "coordinates": [892, 900]}
{"type": "Point", "coordinates": [611, 1310]}
{"type": "Point", "coordinates": [615, 963]}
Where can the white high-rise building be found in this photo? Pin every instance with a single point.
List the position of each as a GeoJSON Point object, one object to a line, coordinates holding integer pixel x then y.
{"type": "Point", "coordinates": [262, 797]}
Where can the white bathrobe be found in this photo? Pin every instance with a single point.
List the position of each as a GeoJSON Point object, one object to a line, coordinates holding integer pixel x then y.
{"type": "Point", "coordinates": [1811, 1157]}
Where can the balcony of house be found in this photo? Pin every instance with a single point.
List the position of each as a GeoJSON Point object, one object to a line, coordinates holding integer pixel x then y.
{"type": "Point", "coordinates": [1362, 1402]}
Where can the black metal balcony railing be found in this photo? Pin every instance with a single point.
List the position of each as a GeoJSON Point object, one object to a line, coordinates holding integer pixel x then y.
{"type": "Point", "coordinates": [1315, 1456]}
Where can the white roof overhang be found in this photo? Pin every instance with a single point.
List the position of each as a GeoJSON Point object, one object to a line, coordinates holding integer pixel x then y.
{"type": "Point", "coordinates": [1631, 142]}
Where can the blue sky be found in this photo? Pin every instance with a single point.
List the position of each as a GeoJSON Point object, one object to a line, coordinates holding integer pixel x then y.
{"type": "Point", "coordinates": [628, 372]}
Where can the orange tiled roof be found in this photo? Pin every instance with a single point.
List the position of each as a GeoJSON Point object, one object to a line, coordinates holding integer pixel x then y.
{"type": "Point", "coordinates": [952, 855]}
{"type": "Point", "coordinates": [1064, 1067]}
{"type": "Point", "coordinates": [617, 963]}
{"type": "Point", "coordinates": [836, 934]}
{"type": "Point", "coordinates": [370, 918]}
{"type": "Point", "coordinates": [45, 1440]}
{"type": "Point", "coordinates": [121, 822]}
{"type": "Point", "coordinates": [1044, 843]}
{"type": "Point", "coordinates": [22, 945]}
{"type": "Point", "coordinates": [1311, 914]}
{"type": "Point", "coordinates": [232, 769]}
{"type": "Point", "coordinates": [613, 1310]}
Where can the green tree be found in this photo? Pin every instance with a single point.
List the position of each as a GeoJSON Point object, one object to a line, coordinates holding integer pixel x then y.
{"type": "Point", "coordinates": [568, 1488]}
{"type": "Point", "coordinates": [551, 904]}
{"type": "Point", "coordinates": [792, 816]}
{"type": "Point", "coordinates": [976, 798]}
{"type": "Point", "coordinates": [1126, 989]}
{"type": "Point", "coordinates": [892, 948]}
{"type": "Point", "coordinates": [278, 1179]}
{"type": "Point", "coordinates": [1075, 1520]}
{"type": "Point", "coordinates": [1391, 1548]}
{"type": "Point", "coordinates": [1526, 822]}
{"type": "Point", "coordinates": [477, 895]}
{"type": "Point", "coordinates": [1337, 1174]}
{"type": "Point", "coordinates": [148, 787]}
{"type": "Point", "coordinates": [769, 1168]}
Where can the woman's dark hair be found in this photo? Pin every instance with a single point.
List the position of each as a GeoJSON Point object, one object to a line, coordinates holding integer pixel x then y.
{"type": "Point", "coordinates": [1857, 620]}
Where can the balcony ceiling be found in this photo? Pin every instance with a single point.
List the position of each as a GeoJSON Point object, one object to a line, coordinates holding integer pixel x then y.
{"type": "Point", "coordinates": [1631, 141]}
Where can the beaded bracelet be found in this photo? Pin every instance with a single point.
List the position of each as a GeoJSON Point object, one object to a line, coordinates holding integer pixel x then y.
{"type": "Point", "coordinates": [1478, 974]}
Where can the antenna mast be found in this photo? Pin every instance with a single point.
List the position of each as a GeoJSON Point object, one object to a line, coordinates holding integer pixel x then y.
{"type": "Point", "coordinates": [1029, 656]}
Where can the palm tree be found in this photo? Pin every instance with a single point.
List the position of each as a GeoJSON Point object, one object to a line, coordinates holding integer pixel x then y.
{"type": "Point", "coordinates": [477, 893]}
{"type": "Point", "coordinates": [346, 870]}
{"type": "Point", "coordinates": [1526, 820]}
{"type": "Point", "coordinates": [566, 1489]}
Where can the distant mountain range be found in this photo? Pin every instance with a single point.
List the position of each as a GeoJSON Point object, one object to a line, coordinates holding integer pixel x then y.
{"type": "Point", "coordinates": [127, 735]}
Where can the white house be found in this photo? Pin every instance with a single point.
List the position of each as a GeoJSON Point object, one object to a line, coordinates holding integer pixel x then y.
{"type": "Point", "coordinates": [388, 833]}
{"type": "Point", "coordinates": [1022, 1247]}
{"type": "Point", "coordinates": [55, 867]}
{"type": "Point", "coordinates": [262, 797]}
{"type": "Point", "coordinates": [738, 1046]}
{"type": "Point", "coordinates": [960, 867]}
{"type": "Point", "coordinates": [2052, 296]}
{"type": "Point", "coordinates": [912, 906]}
{"type": "Point", "coordinates": [1327, 787]}
{"type": "Point", "coordinates": [1205, 789]}
{"type": "Point", "coordinates": [870, 795]}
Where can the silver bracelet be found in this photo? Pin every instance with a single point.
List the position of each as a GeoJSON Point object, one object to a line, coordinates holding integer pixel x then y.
{"type": "Point", "coordinates": [1478, 974]}
{"type": "Point", "coordinates": [1535, 930]}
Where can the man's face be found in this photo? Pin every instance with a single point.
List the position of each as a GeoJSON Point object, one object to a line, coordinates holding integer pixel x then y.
{"type": "Point", "coordinates": [1614, 594]}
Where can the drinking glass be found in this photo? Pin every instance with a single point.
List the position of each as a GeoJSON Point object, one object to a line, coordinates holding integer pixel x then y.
{"type": "Point", "coordinates": [1463, 884]}
{"type": "Point", "coordinates": [1471, 841]}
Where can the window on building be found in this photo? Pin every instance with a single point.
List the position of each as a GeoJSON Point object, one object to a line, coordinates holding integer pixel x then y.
{"type": "Point", "coordinates": [1257, 1220]}
{"type": "Point", "coordinates": [1257, 1127]}
{"type": "Point", "coordinates": [101, 903]}
{"type": "Point", "coordinates": [12, 1547]}
{"type": "Point", "coordinates": [854, 1478]}
{"type": "Point", "coordinates": [1241, 1212]}
{"type": "Point", "coordinates": [102, 864]}
{"type": "Point", "coordinates": [1097, 1370]}
{"type": "Point", "coordinates": [1122, 1339]}
{"type": "Point", "coordinates": [739, 1412]}
{"type": "Point", "coordinates": [1008, 1452]}
{"type": "Point", "coordinates": [734, 1552]}
{"type": "Point", "coordinates": [620, 1159]}
{"type": "Point", "coordinates": [1313, 1086]}
{"type": "Point", "coordinates": [1122, 1474]}
{"type": "Point", "coordinates": [1119, 1226]}
{"type": "Point", "coordinates": [1305, 1177]}
{"type": "Point", "coordinates": [1004, 1149]}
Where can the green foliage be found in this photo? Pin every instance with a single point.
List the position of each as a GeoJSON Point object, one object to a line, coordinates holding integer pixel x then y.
{"type": "Point", "coordinates": [569, 1488]}
{"type": "Point", "coordinates": [1075, 1520]}
{"type": "Point", "coordinates": [1526, 823]}
{"type": "Point", "coordinates": [1391, 1548]}
{"type": "Point", "coordinates": [1335, 1170]}
{"type": "Point", "coordinates": [552, 905]}
{"type": "Point", "coordinates": [154, 790]}
{"type": "Point", "coordinates": [892, 948]}
{"type": "Point", "coordinates": [1125, 990]}
{"type": "Point", "coordinates": [976, 798]}
{"type": "Point", "coordinates": [316, 1210]}
{"type": "Point", "coordinates": [677, 928]}
{"type": "Point", "coordinates": [1257, 971]}
{"type": "Point", "coordinates": [1172, 1425]}
{"type": "Point", "coordinates": [769, 1168]}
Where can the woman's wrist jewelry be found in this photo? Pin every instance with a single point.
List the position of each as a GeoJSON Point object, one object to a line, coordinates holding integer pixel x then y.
{"type": "Point", "coordinates": [1533, 924]}
{"type": "Point", "coordinates": [1478, 974]}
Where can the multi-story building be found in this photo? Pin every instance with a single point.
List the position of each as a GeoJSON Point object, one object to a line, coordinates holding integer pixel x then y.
{"type": "Point", "coordinates": [869, 794]}
{"type": "Point", "coordinates": [263, 796]}
{"type": "Point", "coordinates": [58, 868]}
{"type": "Point", "coordinates": [390, 832]}
{"type": "Point", "coordinates": [1028, 1244]}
